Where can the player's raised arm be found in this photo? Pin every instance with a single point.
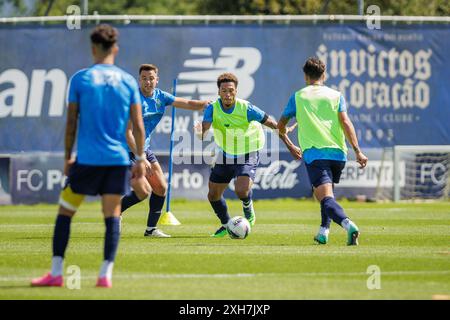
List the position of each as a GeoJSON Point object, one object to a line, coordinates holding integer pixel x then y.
{"type": "Point", "coordinates": [283, 134]}
{"type": "Point", "coordinates": [193, 105]}
{"type": "Point", "coordinates": [273, 124]}
{"type": "Point", "coordinates": [270, 122]}
{"type": "Point", "coordinates": [350, 134]}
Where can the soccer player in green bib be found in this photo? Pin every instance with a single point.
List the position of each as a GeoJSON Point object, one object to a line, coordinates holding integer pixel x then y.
{"type": "Point", "coordinates": [240, 136]}
{"type": "Point", "coordinates": [323, 125]}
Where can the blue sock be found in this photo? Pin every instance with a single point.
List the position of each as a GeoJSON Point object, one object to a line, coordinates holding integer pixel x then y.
{"type": "Point", "coordinates": [156, 205]}
{"type": "Point", "coordinates": [333, 209]}
{"type": "Point", "coordinates": [112, 236]}
{"type": "Point", "coordinates": [221, 210]}
{"type": "Point", "coordinates": [61, 235]}
{"type": "Point", "coordinates": [129, 200]}
{"type": "Point", "coordinates": [326, 221]}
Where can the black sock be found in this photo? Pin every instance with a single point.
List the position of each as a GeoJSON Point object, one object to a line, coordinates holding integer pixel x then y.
{"type": "Point", "coordinates": [129, 200]}
{"type": "Point", "coordinates": [112, 236]}
{"type": "Point", "coordinates": [61, 235]}
{"type": "Point", "coordinates": [221, 210]}
{"type": "Point", "coordinates": [156, 205]}
{"type": "Point", "coordinates": [246, 201]}
{"type": "Point", "coordinates": [247, 204]}
{"type": "Point", "coordinates": [333, 209]}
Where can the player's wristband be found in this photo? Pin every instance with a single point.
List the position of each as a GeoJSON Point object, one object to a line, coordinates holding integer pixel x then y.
{"type": "Point", "coordinates": [140, 158]}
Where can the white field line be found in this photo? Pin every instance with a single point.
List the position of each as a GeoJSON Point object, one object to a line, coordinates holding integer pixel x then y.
{"type": "Point", "coordinates": [242, 275]}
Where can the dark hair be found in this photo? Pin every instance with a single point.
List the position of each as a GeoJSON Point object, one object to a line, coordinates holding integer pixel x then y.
{"type": "Point", "coordinates": [104, 35]}
{"type": "Point", "coordinates": [227, 77]}
{"type": "Point", "coordinates": [148, 67]}
{"type": "Point", "coordinates": [314, 68]}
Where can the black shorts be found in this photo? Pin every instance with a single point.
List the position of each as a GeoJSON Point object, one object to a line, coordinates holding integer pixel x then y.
{"type": "Point", "coordinates": [98, 180]}
{"type": "Point", "coordinates": [225, 169]}
{"type": "Point", "coordinates": [324, 171]}
{"type": "Point", "coordinates": [148, 154]}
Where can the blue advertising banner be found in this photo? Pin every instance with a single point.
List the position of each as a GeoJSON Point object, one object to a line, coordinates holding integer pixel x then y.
{"type": "Point", "coordinates": [36, 178]}
{"type": "Point", "coordinates": [5, 196]}
{"type": "Point", "coordinates": [39, 178]}
{"type": "Point", "coordinates": [395, 79]}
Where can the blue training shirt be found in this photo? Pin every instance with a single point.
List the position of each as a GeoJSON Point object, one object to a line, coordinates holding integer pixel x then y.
{"type": "Point", "coordinates": [153, 110]}
{"type": "Point", "coordinates": [253, 114]}
{"type": "Point", "coordinates": [104, 94]}
{"type": "Point", "coordinates": [312, 154]}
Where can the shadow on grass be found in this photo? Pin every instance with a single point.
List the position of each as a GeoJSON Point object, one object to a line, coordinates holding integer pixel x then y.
{"type": "Point", "coordinates": [134, 237]}
{"type": "Point", "coordinates": [191, 237]}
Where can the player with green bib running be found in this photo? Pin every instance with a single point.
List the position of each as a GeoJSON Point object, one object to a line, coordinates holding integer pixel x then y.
{"type": "Point", "coordinates": [240, 136]}
{"type": "Point", "coordinates": [323, 125]}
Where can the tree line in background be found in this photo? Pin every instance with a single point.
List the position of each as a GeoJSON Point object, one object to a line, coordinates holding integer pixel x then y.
{"type": "Point", "coordinates": [230, 7]}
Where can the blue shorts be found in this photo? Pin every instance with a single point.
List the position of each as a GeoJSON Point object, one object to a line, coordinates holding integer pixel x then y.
{"type": "Point", "coordinates": [324, 171]}
{"type": "Point", "coordinates": [225, 169]}
{"type": "Point", "coordinates": [98, 180]}
{"type": "Point", "coordinates": [148, 154]}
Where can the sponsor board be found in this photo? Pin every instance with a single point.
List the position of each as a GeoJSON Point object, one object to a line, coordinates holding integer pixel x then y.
{"type": "Point", "coordinates": [392, 79]}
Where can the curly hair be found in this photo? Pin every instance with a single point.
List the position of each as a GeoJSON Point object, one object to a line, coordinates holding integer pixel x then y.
{"type": "Point", "coordinates": [227, 77]}
{"type": "Point", "coordinates": [314, 68]}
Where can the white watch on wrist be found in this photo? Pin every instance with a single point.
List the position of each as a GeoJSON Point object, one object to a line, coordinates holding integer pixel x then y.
{"type": "Point", "coordinates": [140, 158]}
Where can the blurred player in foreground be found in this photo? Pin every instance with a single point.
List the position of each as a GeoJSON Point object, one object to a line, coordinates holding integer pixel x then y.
{"type": "Point", "coordinates": [102, 99]}
{"type": "Point", "coordinates": [323, 125]}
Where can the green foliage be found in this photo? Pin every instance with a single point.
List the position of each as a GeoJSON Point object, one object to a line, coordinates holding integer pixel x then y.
{"type": "Point", "coordinates": [117, 7]}
{"type": "Point", "coordinates": [18, 6]}
{"type": "Point", "coordinates": [260, 7]}
{"type": "Point", "coordinates": [388, 7]}
{"type": "Point", "coordinates": [238, 7]}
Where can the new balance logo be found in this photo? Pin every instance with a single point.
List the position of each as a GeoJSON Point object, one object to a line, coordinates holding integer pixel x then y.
{"type": "Point", "coordinates": [200, 81]}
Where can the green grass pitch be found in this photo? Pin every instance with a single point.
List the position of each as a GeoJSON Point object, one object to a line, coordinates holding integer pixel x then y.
{"type": "Point", "coordinates": [410, 243]}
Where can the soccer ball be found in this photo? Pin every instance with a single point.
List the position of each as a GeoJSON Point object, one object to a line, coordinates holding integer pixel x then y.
{"type": "Point", "coordinates": [238, 228]}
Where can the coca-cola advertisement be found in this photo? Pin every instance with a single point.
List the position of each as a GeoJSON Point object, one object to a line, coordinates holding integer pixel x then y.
{"type": "Point", "coordinates": [284, 177]}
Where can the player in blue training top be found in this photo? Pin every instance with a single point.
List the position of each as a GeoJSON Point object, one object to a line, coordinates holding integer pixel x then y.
{"type": "Point", "coordinates": [154, 103]}
{"type": "Point", "coordinates": [102, 99]}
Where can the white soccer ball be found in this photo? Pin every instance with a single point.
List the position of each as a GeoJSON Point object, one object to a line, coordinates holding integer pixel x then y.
{"type": "Point", "coordinates": [238, 228]}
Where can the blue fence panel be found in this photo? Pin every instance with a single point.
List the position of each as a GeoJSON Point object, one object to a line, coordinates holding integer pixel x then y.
{"type": "Point", "coordinates": [394, 79]}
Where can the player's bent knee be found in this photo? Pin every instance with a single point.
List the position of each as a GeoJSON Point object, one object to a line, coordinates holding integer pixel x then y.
{"type": "Point", "coordinates": [242, 193]}
{"type": "Point", "coordinates": [141, 187]}
{"type": "Point", "coordinates": [70, 200]}
{"type": "Point", "coordinates": [324, 190]}
{"type": "Point", "coordinates": [213, 196]}
{"type": "Point", "coordinates": [142, 194]}
{"type": "Point", "coordinates": [160, 189]}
